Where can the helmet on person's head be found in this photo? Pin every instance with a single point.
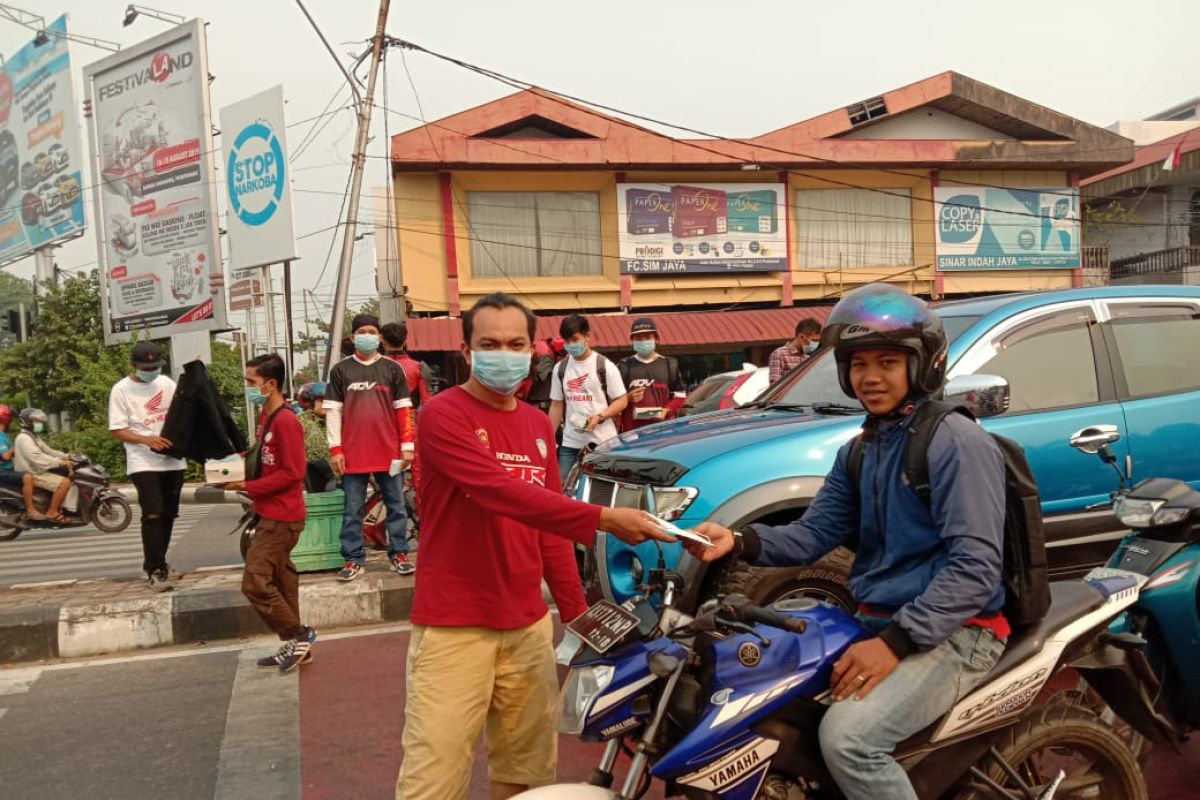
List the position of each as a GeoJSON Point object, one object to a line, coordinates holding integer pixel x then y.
{"type": "Point", "coordinates": [6, 416]}
{"type": "Point", "coordinates": [880, 315]}
{"type": "Point", "coordinates": [310, 393]}
{"type": "Point", "coordinates": [32, 415]}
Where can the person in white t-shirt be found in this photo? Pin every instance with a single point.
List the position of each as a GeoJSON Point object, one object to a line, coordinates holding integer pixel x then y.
{"type": "Point", "coordinates": [137, 409]}
{"type": "Point", "coordinates": [580, 401]}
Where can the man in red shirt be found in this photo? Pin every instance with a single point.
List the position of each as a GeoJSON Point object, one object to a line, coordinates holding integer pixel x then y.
{"type": "Point", "coordinates": [270, 581]}
{"type": "Point", "coordinates": [395, 336]}
{"type": "Point", "coordinates": [493, 520]}
{"type": "Point", "coordinates": [369, 421]}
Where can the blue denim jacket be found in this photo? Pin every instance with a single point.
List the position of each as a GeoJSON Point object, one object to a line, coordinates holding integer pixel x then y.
{"type": "Point", "coordinates": [933, 566]}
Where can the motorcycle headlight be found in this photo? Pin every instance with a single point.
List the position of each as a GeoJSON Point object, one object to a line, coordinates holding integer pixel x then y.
{"type": "Point", "coordinates": [1137, 512]}
{"type": "Point", "coordinates": [579, 693]}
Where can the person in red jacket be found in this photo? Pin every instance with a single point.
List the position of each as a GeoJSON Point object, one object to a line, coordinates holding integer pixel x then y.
{"type": "Point", "coordinates": [493, 521]}
{"type": "Point", "coordinates": [395, 337]}
{"type": "Point", "coordinates": [270, 581]}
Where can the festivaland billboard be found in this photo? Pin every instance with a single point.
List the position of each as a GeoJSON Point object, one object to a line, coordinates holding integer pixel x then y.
{"type": "Point", "coordinates": [154, 187]}
{"type": "Point", "coordinates": [41, 160]}
{"type": "Point", "coordinates": [701, 228]}
{"type": "Point", "coordinates": [988, 228]}
{"type": "Point", "coordinates": [257, 181]}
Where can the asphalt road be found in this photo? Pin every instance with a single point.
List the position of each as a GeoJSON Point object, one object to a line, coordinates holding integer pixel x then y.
{"type": "Point", "coordinates": [207, 725]}
{"type": "Point", "coordinates": [200, 540]}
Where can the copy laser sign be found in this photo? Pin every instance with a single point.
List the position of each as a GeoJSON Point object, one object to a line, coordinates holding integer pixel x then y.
{"type": "Point", "coordinates": [257, 174]}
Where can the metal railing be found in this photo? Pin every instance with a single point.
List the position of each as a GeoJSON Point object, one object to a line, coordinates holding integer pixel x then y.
{"type": "Point", "coordinates": [1174, 259]}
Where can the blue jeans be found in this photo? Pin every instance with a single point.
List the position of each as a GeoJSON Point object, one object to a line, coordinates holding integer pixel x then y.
{"type": "Point", "coordinates": [567, 456]}
{"type": "Point", "coordinates": [858, 737]}
{"type": "Point", "coordinates": [355, 489]}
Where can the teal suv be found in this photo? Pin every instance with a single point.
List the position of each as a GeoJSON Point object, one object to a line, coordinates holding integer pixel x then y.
{"type": "Point", "coordinates": [1127, 356]}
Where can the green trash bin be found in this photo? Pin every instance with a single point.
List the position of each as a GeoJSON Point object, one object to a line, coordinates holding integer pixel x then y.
{"type": "Point", "coordinates": [320, 544]}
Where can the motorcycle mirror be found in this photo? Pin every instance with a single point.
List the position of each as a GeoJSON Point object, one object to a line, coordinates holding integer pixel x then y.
{"type": "Point", "coordinates": [983, 395]}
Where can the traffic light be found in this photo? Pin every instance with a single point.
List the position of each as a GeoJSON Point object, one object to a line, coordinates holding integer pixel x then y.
{"type": "Point", "coordinates": [12, 323]}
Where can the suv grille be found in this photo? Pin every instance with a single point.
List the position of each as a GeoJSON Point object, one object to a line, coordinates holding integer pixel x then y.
{"type": "Point", "coordinates": [603, 492]}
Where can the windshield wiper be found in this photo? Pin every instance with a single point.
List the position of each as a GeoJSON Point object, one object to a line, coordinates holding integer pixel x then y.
{"type": "Point", "coordinates": [772, 406]}
{"type": "Point", "coordinates": [835, 408]}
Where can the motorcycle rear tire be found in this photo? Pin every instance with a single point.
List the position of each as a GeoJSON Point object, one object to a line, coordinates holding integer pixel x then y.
{"type": "Point", "coordinates": [121, 513]}
{"type": "Point", "coordinates": [8, 534]}
{"type": "Point", "coordinates": [1059, 725]}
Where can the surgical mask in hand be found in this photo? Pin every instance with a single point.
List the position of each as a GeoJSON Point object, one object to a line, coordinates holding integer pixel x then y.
{"type": "Point", "coordinates": [502, 371]}
{"type": "Point", "coordinates": [644, 347]}
{"type": "Point", "coordinates": [255, 395]}
{"type": "Point", "coordinates": [366, 342]}
{"type": "Point", "coordinates": [149, 375]}
{"type": "Point", "coordinates": [811, 348]}
{"type": "Point", "coordinates": [576, 349]}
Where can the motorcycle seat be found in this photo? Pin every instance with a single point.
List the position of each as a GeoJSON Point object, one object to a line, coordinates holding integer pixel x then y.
{"type": "Point", "coordinates": [1069, 600]}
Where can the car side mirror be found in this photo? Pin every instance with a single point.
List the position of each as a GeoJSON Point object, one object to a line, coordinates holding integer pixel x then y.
{"type": "Point", "coordinates": [983, 395]}
{"type": "Point", "coordinates": [1094, 438]}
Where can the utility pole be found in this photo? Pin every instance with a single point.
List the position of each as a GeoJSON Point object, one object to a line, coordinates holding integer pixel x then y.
{"type": "Point", "coordinates": [360, 156]}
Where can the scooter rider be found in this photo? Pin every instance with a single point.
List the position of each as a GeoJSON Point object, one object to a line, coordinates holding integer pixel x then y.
{"type": "Point", "coordinates": [34, 456]}
{"type": "Point", "coordinates": [10, 476]}
{"type": "Point", "coordinates": [927, 574]}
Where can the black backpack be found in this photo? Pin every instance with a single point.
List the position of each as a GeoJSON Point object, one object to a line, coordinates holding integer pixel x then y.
{"type": "Point", "coordinates": [1026, 577]}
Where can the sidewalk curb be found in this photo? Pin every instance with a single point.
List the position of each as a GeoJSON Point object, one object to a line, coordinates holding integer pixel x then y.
{"type": "Point", "coordinates": [191, 616]}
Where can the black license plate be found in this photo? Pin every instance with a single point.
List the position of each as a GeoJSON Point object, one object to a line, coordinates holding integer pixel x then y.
{"type": "Point", "coordinates": [604, 625]}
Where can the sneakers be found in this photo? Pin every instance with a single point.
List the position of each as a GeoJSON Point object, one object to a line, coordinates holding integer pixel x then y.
{"type": "Point", "coordinates": [286, 651]}
{"type": "Point", "coordinates": [350, 571]}
{"type": "Point", "coordinates": [160, 581]}
{"type": "Point", "coordinates": [402, 565]}
{"type": "Point", "coordinates": [297, 651]}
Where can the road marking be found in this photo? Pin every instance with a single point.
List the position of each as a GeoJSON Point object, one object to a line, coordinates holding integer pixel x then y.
{"type": "Point", "coordinates": [3, 711]}
{"type": "Point", "coordinates": [260, 750]}
{"type": "Point", "coordinates": [18, 681]}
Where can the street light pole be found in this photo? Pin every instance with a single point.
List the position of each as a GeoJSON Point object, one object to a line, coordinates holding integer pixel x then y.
{"type": "Point", "coordinates": [360, 157]}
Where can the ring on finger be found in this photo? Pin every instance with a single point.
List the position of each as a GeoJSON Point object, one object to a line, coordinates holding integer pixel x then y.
{"type": "Point", "coordinates": [862, 679]}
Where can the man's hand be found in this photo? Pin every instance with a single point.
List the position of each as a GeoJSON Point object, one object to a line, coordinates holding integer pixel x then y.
{"type": "Point", "coordinates": [156, 442]}
{"type": "Point", "coordinates": [636, 395]}
{"type": "Point", "coordinates": [593, 421]}
{"type": "Point", "coordinates": [408, 456]}
{"type": "Point", "coordinates": [632, 526]}
{"type": "Point", "coordinates": [337, 464]}
{"type": "Point", "coordinates": [861, 668]}
{"type": "Point", "coordinates": [235, 486]}
{"type": "Point", "coordinates": [722, 539]}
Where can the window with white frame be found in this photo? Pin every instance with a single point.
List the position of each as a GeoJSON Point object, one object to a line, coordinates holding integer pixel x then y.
{"type": "Point", "coordinates": [534, 234]}
{"type": "Point", "coordinates": [853, 228]}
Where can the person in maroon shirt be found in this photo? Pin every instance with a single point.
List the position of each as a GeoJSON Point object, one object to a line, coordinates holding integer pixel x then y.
{"type": "Point", "coordinates": [493, 522]}
{"type": "Point", "coordinates": [270, 581]}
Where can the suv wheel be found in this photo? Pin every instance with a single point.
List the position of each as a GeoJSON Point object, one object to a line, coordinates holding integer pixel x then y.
{"type": "Point", "coordinates": [827, 580]}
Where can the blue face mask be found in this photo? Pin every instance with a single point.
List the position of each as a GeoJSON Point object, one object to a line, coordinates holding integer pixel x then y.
{"type": "Point", "coordinates": [644, 347]}
{"type": "Point", "coordinates": [366, 343]}
{"type": "Point", "coordinates": [576, 349]}
{"type": "Point", "coordinates": [149, 375]}
{"type": "Point", "coordinates": [255, 395]}
{"type": "Point", "coordinates": [502, 371]}
{"type": "Point", "coordinates": [811, 348]}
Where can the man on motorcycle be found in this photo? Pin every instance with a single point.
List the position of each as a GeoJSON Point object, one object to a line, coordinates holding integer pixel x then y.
{"type": "Point", "coordinates": [9, 475]}
{"type": "Point", "coordinates": [927, 574]}
{"type": "Point", "coordinates": [34, 456]}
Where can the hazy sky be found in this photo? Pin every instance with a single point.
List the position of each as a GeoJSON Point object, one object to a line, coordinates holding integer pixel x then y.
{"type": "Point", "coordinates": [733, 68]}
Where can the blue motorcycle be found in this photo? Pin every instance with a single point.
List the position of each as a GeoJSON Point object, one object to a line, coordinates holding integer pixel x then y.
{"type": "Point", "coordinates": [727, 704]}
{"type": "Point", "coordinates": [1156, 691]}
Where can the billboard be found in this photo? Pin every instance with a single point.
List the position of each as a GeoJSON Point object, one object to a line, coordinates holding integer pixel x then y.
{"type": "Point", "coordinates": [257, 181]}
{"type": "Point", "coordinates": [41, 160]}
{"type": "Point", "coordinates": [154, 187]}
{"type": "Point", "coordinates": [986, 228]}
{"type": "Point", "coordinates": [701, 227]}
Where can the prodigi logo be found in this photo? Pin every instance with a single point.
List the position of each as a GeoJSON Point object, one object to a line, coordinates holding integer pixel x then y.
{"type": "Point", "coordinates": [161, 67]}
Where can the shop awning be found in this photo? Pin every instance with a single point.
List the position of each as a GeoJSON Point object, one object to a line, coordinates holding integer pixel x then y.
{"type": "Point", "coordinates": [611, 331]}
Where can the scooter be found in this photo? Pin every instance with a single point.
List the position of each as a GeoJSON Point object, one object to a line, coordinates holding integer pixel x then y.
{"type": "Point", "coordinates": [728, 704]}
{"type": "Point", "coordinates": [91, 501]}
{"type": "Point", "coordinates": [1157, 691]}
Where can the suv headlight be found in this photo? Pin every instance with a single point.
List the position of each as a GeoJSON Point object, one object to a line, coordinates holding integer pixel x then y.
{"type": "Point", "coordinates": [671, 501]}
{"type": "Point", "coordinates": [579, 693]}
{"type": "Point", "coordinates": [1141, 513]}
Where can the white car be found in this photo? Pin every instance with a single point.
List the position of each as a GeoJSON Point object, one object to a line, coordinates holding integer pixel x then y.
{"type": "Point", "coordinates": [50, 198]}
{"type": "Point", "coordinates": [727, 390]}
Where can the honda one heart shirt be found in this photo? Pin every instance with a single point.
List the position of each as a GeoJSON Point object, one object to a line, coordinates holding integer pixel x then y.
{"type": "Point", "coordinates": [494, 520]}
{"type": "Point", "coordinates": [580, 391]}
{"type": "Point", "coordinates": [142, 408]}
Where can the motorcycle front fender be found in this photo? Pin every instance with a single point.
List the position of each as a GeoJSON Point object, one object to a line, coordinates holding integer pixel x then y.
{"type": "Point", "coordinates": [568, 791]}
{"type": "Point", "coordinates": [1125, 681]}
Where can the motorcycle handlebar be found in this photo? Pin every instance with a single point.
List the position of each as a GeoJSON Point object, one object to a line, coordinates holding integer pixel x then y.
{"type": "Point", "coordinates": [739, 607]}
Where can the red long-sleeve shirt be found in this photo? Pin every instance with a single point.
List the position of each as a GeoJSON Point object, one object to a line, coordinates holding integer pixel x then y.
{"type": "Point", "coordinates": [278, 493]}
{"type": "Point", "coordinates": [493, 517]}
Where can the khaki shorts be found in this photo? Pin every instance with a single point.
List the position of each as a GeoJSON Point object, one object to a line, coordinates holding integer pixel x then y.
{"type": "Point", "coordinates": [48, 481]}
{"type": "Point", "coordinates": [462, 681]}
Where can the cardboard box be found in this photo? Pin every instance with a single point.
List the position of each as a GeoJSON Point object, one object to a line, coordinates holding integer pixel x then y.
{"type": "Point", "coordinates": [225, 470]}
{"type": "Point", "coordinates": [648, 211]}
{"type": "Point", "coordinates": [752, 212]}
{"type": "Point", "coordinates": [698, 212]}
